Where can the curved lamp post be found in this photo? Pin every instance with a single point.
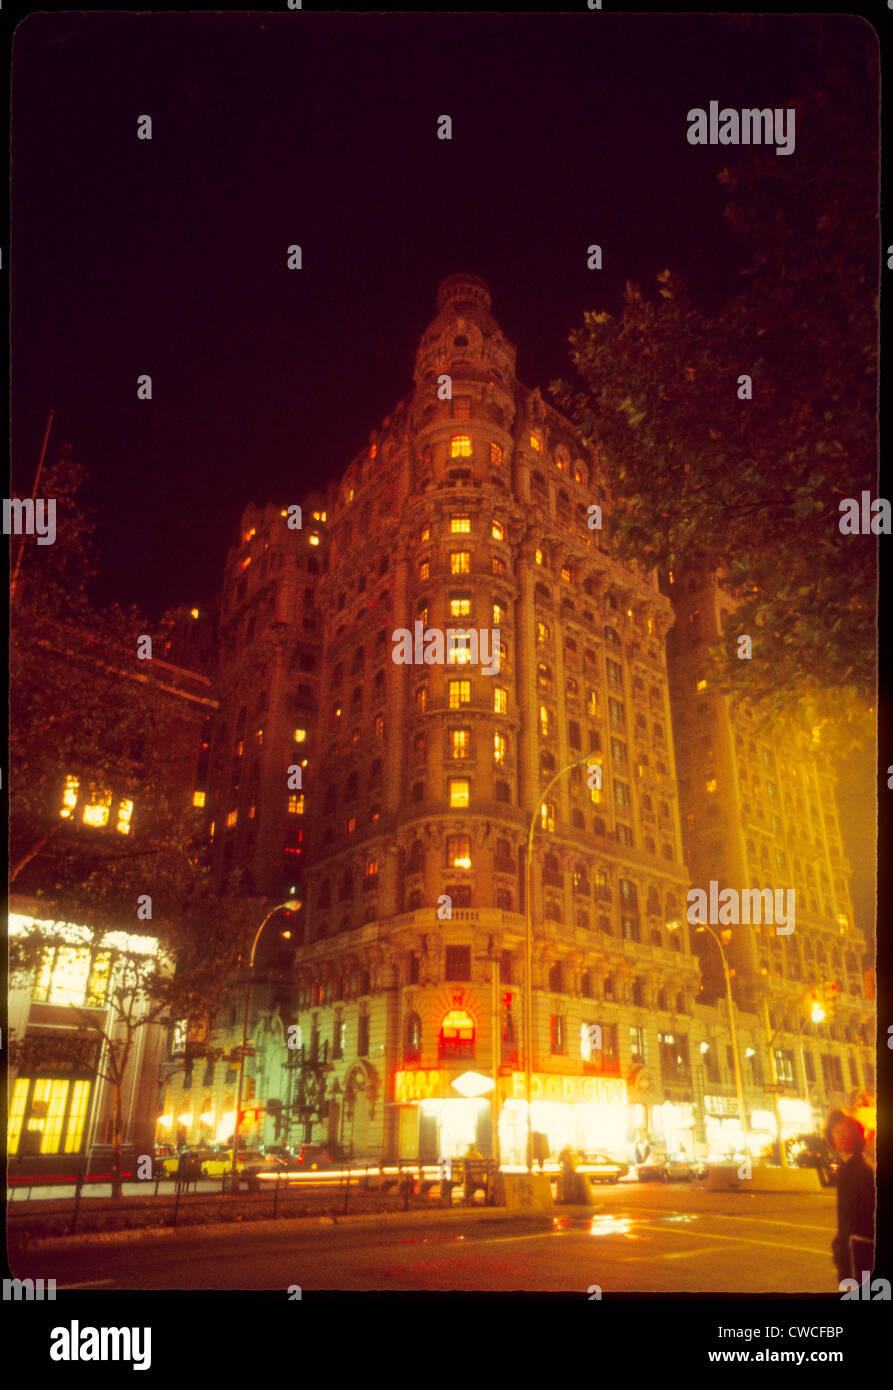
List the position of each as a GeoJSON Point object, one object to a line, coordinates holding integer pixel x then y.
{"type": "Point", "coordinates": [528, 950]}
{"type": "Point", "coordinates": [736, 1061]}
{"type": "Point", "coordinates": [291, 906]}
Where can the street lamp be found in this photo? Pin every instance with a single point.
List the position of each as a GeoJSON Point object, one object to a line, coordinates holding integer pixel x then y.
{"type": "Point", "coordinates": [292, 905]}
{"type": "Point", "coordinates": [528, 952]}
{"type": "Point", "coordinates": [736, 1061]}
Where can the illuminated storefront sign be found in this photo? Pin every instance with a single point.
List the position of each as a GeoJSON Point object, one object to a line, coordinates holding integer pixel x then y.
{"type": "Point", "coordinates": [573, 1089]}
{"type": "Point", "coordinates": [419, 1085]}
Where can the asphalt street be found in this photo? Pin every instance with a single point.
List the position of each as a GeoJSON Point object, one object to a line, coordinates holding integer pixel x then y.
{"type": "Point", "coordinates": [640, 1238]}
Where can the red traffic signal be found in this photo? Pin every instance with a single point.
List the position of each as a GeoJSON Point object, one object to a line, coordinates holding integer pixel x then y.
{"type": "Point", "coordinates": [506, 1001]}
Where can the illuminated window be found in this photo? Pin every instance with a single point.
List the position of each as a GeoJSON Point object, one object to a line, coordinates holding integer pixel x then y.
{"type": "Point", "coordinates": [543, 634]}
{"type": "Point", "coordinates": [193, 612]}
{"type": "Point", "coordinates": [500, 700]}
{"type": "Point", "coordinates": [246, 562]}
{"type": "Point", "coordinates": [424, 569]}
{"type": "Point", "coordinates": [372, 868]}
{"type": "Point", "coordinates": [459, 851]}
{"type": "Point", "coordinates": [425, 534]}
{"type": "Point", "coordinates": [499, 748]}
{"type": "Point", "coordinates": [198, 798]}
{"type": "Point", "coordinates": [536, 444]}
{"type": "Point", "coordinates": [238, 752]}
{"type": "Point", "coordinates": [296, 805]}
{"type": "Point", "coordinates": [319, 516]}
{"type": "Point", "coordinates": [460, 525]}
{"type": "Point", "coordinates": [460, 607]}
{"type": "Point", "coordinates": [212, 829]}
{"type": "Point", "coordinates": [544, 721]}
{"type": "Point", "coordinates": [460, 446]}
{"type": "Point", "coordinates": [259, 734]}
{"type": "Point", "coordinates": [300, 735]}
{"type": "Point", "coordinates": [125, 812]}
{"type": "Point", "coordinates": [498, 615]}
{"type": "Point", "coordinates": [711, 784]}
{"type": "Point", "coordinates": [497, 531]}
{"type": "Point", "coordinates": [459, 649]}
{"type": "Point", "coordinates": [568, 575]}
{"type": "Point", "coordinates": [547, 815]}
{"type": "Point", "coordinates": [538, 557]}
{"type": "Point", "coordinates": [97, 813]}
{"type": "Point", "coordinates": [373, 451]}
{"type": "Point", "coordinates": [592, 702]}
{"type": "Point", "coordinates": [497, 453]}
{"type": "Point", "coordinates": [459, 693]}
{"type": "Point", "coordinates": [421, 699]}
{"type": "Point", "coordinates": [379, 726]}
{"type": "Point", "coordinates": [232, 818]}
{"type": "Point", "coordinates": [702, 685]}
{"type": "Point", "coordinates": [458, 793]}
{"type": "Point", "coordinates": [460, 562]}
{"type": "Point", "coordinates": [350, 494]}
{"type": "Point", "coordinates": [313, 538]}
{"type": "Point", "coordinates": [72, 975]}
{"type": "Point", "coordinates": [423, 616]}
{"type": "Point", "coordinates": [459, 743]}
{"type": "Point", "coordinates": [249, 534]}
{"type": "Point", "coordinates": [497, 565]}
{"type": "Point", "coordinates": [351, 825]}
{"type": "Point", "coordinates": [69, 796]}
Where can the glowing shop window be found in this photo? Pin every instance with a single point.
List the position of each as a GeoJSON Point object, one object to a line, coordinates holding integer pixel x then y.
{"type": "Point", "coordinates": [300, 735]}
{"type": "Point", "coordinates": [70, 975]}
{"type": "Point", "coordinates": [499, 748]}
{"type": "Point", "coordinates": [125, 812]}
{"type": "Point", "coordinates": [460, 562]}
{"type": "Point", "coordinates": [98, 983]}
{"type": "Point", "coordinates": [460, 525]}
{"type": "Point", "coordinates": [69, 796]}
{"type": "Point", "coordinates": [460, 607]}
{"type": "Point", "coordinates": [500, 700]}
{"type": "Point", "coordinates": [16, 1114]}
{"type": "Point", "coordinates": [458, 793]}
{"type": "Point", "coordinates": [497, 531]}
{"type": "Point", "coordinates": [460, 446]}
{"type": "Point", "coordinates": [97, 813]}
{"type": "Point", "coordinates": [198, 799]}
{"type": "Point", "coordinates": [77, 1116]}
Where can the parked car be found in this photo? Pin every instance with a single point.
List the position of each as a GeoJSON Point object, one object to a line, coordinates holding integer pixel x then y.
{"type": "Point", "coordinates": [811, 1151]}
{"type": "Point", "coordinates": [214, 1161]}
{"type": "Point", "coordinates": [667, 1168]}
{"type": "Point", "coordinates": [599, 1167]}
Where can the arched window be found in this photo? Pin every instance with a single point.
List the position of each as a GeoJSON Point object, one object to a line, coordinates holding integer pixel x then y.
{"type": "Point", "coordinates": [612, 636]}
{"type": "Point", "coordinates": [412, 1038]}
{"type": "Point", "coordinates": [416, 861]}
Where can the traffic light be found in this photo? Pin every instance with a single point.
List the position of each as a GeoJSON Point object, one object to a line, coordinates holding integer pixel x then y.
{"type": "Point", "coordinates": [831, 999]}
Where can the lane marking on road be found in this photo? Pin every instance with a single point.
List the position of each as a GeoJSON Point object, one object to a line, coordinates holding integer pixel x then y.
{"type": "Point", "coordinates": [735, 1240]}
{"type": "Point", "coordinates": [688, 1254]}
{"type": "Point", "coordinates": [88, 1284]}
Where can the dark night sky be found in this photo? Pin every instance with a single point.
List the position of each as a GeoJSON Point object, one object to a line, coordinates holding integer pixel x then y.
{"type": "Point", "coordinates": [168, 257]}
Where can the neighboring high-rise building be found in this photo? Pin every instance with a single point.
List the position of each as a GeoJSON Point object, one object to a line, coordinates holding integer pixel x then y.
{"type": "Point", "coordinates": [759, 812]}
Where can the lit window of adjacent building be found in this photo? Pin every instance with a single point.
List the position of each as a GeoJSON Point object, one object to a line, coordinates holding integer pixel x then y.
{"type": "Point", "coordinates": [198, 798]}
{"type": "Point", "coordinates": [97, 813]}
{"type": "Point", "coordinates": [460, 743]}
{"type": "Point", "coordinates": [313, 538]}
{"type": "Point", "coordinates": [460, 446]}
{"type": "Point", "coordinates": [499, 748]}
{"type": "Point", "coordinates": [497, 531]}
{"type": "Point", "coordinates": [125, 813]}
{"type": "Point", "coordinates": [500, 700]}
{"type": "Point", "coordinates": [379, 725]}
{"type": "Point", "coordinates": [711, 784]}
{"type": "Point", "coordinates": [543, 633]}
{"type": "Point", "coordinates": [459, 851]}
{"type": "Point", "coordinates": [536, 444]}
{"type": "Point", "coordinates": [319, 516]}
{"type": "Point", "coordinates": [538, 557]}
{"type": "Point", "coordinates": [425, 534]}
{"type": "Point", "coordinates": [458, 793]}
{"type": "Point", "coordinates": [424, 569]}
{"type": "Point", "coordinates": [423, 616]}
{"type": "Point", "coordinates": [373, 451]}
{"type": "Point", "coordinates": [544, 721]}
{"type": "Point", "coordinates": [460, 607]}
{"type": "Point", "coordinates": [460, 525]}
{"type": "Point", "coordinates": [702, 685]}
{"type": "Point", "coordinates": [232, 818]}
{"type": "Point", "coordinates": [460, 562]}
{"type": "Point", "coordinates": [459, 649]}
{"type": "Point", "coordinates": [497, 453]}
{"type": "Point", "coordinates": [259, 735]}
{"type": "Point", "coordinates": [51, 1108]}
{"type": "Point", "coordinates": [296, 805]}
{"type": "Point", "coordinates": [497, 565]}
{"type": "Point", "coordinates": [568, 575]}
{"type": "Point", "coordinates": [372, 868]}
{"type": "Point", "coordinates": [459, 693]}
{"type": "Point", "coordinates": [300, 735]}
{"type": "Point", "coordinates": [547, 815]}
{"type": "Point", "coordinates": [498, 615]}
{"type": "Point", "coordinates": [69, 796]}
{"type": "Point", "coordinates": [421, 699]}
